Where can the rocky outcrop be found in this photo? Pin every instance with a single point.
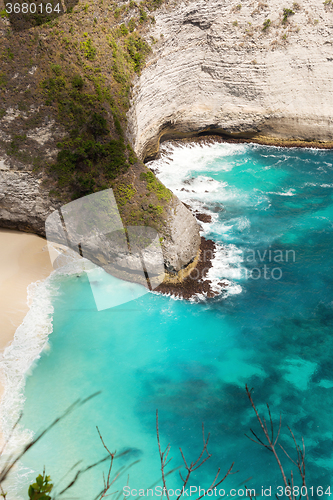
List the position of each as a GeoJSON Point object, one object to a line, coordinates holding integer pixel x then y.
{"type": "Point", "coordinates": [183, 240]}
{"type": "Point", "coordinates": [24, 204]}
{"type": "Point", "coordinates": [239, 69]}
{"type": "Point", "coordinates": [25, 201]}
{"type": "Point", "coordinates": [217, 68]}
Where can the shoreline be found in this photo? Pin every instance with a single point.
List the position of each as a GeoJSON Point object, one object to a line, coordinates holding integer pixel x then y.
{"type": "Point", "coordinates": [182, 286]}
{"type": "Point", "coordinates": [31, 262]}
{"type": "Point", "coordinates": [24, 260]}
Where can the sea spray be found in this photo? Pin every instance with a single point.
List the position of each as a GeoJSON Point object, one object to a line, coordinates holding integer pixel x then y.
{"type": "Point", "coordinates": [178, 168]}
{"type": "Point", "coordinates": [19, 359]}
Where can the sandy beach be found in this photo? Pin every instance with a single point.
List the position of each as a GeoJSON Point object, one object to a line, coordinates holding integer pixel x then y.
{"type": "Point", "coordinates": [24, 259]}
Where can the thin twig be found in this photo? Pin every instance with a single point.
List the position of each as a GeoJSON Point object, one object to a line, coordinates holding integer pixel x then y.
{"type": "Point", "coordinates": [12, 462]}
{"type": "Point", "coordinates": [193, 466]}
{"type": "Point", "coordinates": [108, 483]}
{"type": "Point", "coordinates": [161, 456]}
{"type": "Point", "coordinates": [300, 463]}
{"type": "Point", "coordinates": [271, 444]}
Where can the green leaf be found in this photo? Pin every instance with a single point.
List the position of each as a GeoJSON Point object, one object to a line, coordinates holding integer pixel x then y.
{"type": "Point", "coordinates": [39, 489]}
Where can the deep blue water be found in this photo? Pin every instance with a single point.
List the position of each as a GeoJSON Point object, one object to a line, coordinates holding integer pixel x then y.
{"type": "Point", "coordinates": [191, 361]}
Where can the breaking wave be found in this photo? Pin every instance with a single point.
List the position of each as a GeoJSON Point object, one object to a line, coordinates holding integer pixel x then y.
{"type": "Point", "coordinates": [20, 357]}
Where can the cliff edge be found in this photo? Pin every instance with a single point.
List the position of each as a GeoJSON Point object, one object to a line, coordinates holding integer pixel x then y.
{"type": "Point", "coordinates": [65, 82]}
{"type": "Point", "coordinates": [243, 69]}
{"type": "Point", "coordinates": [86, 97]}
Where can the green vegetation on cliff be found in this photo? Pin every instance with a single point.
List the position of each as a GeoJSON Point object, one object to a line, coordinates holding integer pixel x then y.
{"type": "Point", "coordinates": [76, 71]}
{"type": "Point", "coordinates": [155, 186]}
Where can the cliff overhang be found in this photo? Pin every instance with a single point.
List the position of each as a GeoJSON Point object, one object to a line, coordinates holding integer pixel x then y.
{"type": "Point", "coordinates": [220, 68]}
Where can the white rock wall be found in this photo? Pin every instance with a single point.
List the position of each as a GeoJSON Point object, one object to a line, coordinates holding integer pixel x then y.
{"type": "Point", "coordinates": [209, 73]}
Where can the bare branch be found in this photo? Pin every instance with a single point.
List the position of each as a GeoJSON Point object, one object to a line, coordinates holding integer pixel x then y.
{"type": "Point", "coordinates": [12, 462]}
{"type": "Point", "coordinates": [108, 483]}
{"type": "Point", "coordinates": [271, 444]}
{"type": "Point", "coordinates": [161, 456]}
{"type": "Point", "coordinates": [278, 434]}
{"type": "Point", "coordinates": [300, 463]}
{"type": "Point", "coordinates": [193, 466]}
{"type": "Point", "coordinates": [287, 455]}
{"type": "Point", "coordinates": [271, 421]}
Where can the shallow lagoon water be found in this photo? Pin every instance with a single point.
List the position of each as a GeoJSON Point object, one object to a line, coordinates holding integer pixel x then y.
{"type": "Point", "coordinates": [191, 361]}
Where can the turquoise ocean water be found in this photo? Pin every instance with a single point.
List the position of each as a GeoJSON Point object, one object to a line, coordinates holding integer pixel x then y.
{"type": "Point", "coordinates": [272, 329]}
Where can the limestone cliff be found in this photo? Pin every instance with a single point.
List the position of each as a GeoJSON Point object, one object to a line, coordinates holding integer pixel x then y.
{"type": "Point", "coordinates": [244, 68]}
{"type": "Point", "coordinates": [64, 85]}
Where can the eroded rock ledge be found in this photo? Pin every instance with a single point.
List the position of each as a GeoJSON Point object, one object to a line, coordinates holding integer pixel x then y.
{"type": "Point", "coordinates": [193, 282]}
{"type": "Point", "coordinates": [215, 69]}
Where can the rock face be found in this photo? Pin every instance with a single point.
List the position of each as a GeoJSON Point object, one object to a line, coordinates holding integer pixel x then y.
{"type": "Point", "coordinates": [183, 240]}
{"type": "Point", "coordinates": [24, 200]}
{"type": "Point", "coordinates": [25, 203]}
{"type": "Point", "coordinates": [216, 68]}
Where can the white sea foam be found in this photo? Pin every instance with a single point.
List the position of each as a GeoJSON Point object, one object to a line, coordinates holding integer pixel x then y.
{"type": "Point", "coordinates": [226, 267]}
{"type": "Point", "coordinates": [289, 192]}
{"type": "Point", "coordinates": [243, 223]}
{"type": "Point", "coordinates": [19, 358]}
{"type": "Point", "coordinates": [315, 184]}
{"type": "Point", "coordinates": [199, 154]}
{"type": "Point", "coordinates": [176, 168]}
{"type": "Point", "coordinates": [31, 338]}
{"type": "Point", "coordinates": [227, 264]}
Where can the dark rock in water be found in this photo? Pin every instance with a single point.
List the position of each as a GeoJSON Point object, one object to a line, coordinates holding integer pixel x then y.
{"type": "Point", "coordinates": [196, 283]}
{"type": "Point", "coordinates": [203, 217]}
{"type": "Point", "coordinates": [198, 215]}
